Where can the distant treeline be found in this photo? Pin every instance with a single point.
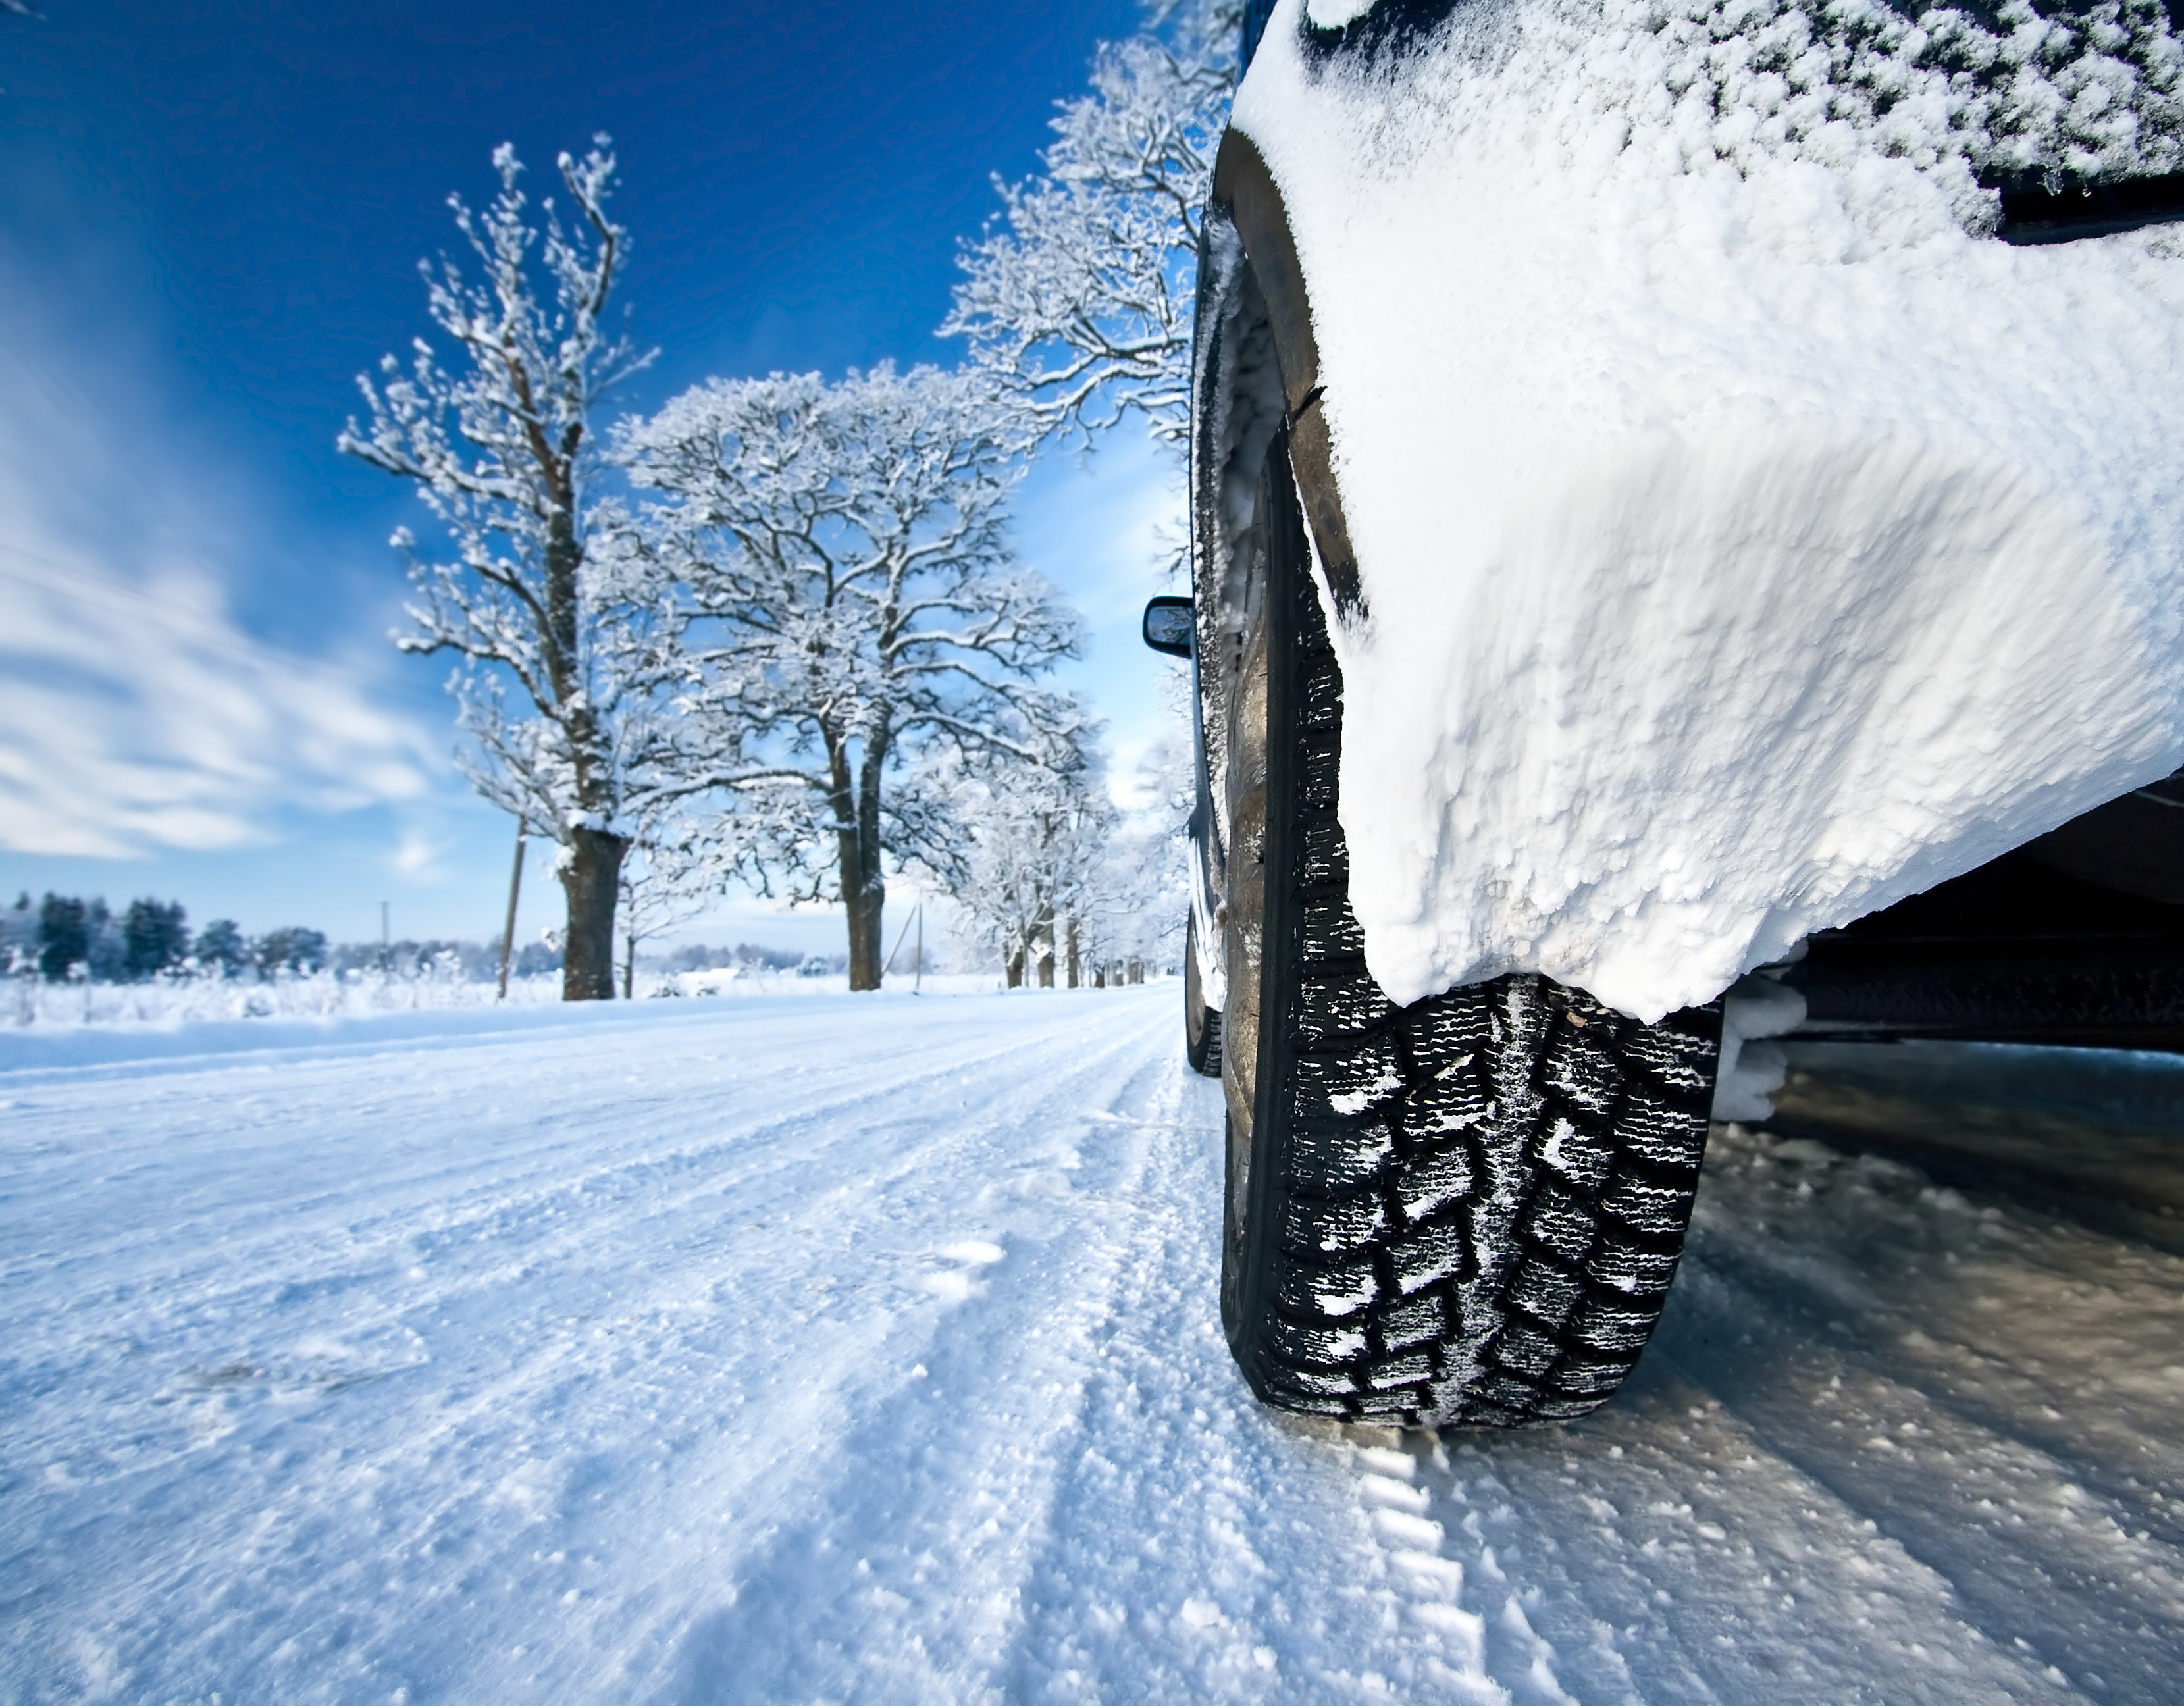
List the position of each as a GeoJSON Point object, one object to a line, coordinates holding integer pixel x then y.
{"type": "Point", "coordinates": [64, 937]}
{"type": "Point", "coordinates": [745, 957]}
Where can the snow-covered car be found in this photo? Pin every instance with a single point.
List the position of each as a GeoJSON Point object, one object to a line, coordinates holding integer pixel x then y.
{"type": "Point", "coordinates": [1689, 512]}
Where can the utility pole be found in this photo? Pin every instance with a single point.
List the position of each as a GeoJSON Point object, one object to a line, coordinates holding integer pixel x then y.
{"type": "Point", "coordinates": [508, 931]}
{"type": "Point", "coordinates": [917, 918]}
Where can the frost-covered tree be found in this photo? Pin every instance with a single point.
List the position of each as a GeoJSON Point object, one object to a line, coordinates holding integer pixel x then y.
{"type": "Point", "coordinates": [19, 936]}
{"type": "Point", "coordinates": [1024, 874]}
{"type": "Point", "coordinates": [856, 616]}
{"type": "Point", "coordinates": [295, 951]}
{"type": "Point", "coordinates": [1059, 885]}
{"type": "Point", "coordinates": [154, 938]}
{"type": "Point", "coordinates": [668, 880]}
{"type": "Point", "coordinates": [63, 935]}
{"type": "Point", "coordinates": [221, 950]}
{"type": "Point", "coordinates": [562, 659]}
{"type": "Point", "coordinates": [1080, 300]}
{"type": "Point", "coordinates": [1138, 899]}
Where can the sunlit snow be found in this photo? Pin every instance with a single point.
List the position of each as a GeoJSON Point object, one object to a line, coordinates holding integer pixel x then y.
{"type": "Point", "coordinates": [867, 1348]}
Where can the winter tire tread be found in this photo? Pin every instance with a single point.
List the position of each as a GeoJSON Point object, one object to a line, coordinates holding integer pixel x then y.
{"type": "Point", "coordinates": [1463, 1210]}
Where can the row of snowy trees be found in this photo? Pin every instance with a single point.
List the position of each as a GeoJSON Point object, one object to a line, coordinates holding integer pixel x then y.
{"type": "Point", "coordinates": [774, 631]}
{"type": "Point", "coordinates": [64, 938]}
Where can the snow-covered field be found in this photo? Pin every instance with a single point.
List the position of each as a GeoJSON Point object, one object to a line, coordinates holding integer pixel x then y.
{"type": "Point", "coordinates": [31, 1005]}
{"type": "Point", "coordinates": [857, 1348]}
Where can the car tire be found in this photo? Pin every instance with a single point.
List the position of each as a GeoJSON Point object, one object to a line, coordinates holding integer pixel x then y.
{"type": "Point", "coordinates": [1467, 1210]}
{"type": "Point", "coordinates": [1201, 1024]}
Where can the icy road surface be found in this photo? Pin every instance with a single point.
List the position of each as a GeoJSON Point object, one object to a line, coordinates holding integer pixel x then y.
{"type": "Point", "coordinates": [866, 1349]}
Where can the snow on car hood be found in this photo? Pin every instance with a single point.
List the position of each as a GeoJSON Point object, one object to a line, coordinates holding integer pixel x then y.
{"type": "Point", "coordinates": [1746, 542]}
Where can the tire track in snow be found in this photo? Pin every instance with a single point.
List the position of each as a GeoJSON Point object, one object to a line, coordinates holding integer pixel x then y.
{"type": "Point", "coordinates": [907, 1583]}
{"type": "Point", "coordinates": [1202, 1547]}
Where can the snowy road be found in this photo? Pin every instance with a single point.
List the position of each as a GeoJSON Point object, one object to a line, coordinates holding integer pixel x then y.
{"type": "Point", "coordinates": [866, 1349]}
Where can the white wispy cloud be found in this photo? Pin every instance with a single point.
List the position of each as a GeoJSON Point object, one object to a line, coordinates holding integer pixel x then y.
{"type": "Point", "coordinates": [135, 714]}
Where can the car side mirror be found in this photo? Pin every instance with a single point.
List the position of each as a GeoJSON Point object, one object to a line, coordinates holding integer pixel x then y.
{"type": "Point", "coordinates": [1169, 626]}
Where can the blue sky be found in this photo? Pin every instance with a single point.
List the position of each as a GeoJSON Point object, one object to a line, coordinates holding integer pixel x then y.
{"type": "Point", "coordinates": [210, 217]}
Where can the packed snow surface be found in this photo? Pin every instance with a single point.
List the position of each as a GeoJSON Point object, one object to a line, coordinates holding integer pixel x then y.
{"type": "Point", "coordinates": [867, 1348]}
{"type": "Point", "coordinates": [1747, 538]}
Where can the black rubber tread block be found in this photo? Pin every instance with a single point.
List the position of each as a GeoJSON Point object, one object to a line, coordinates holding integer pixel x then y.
{"type": "Point", "coordinates": [1680, 1063]}
{"type": "Point", "coordinates": [1443, 1177]}
{"type": "Point", "coordinates": [1583, 1155]}
{"type": "Point", "coordinates": [1337, 1406]}
{"type": "Point", "coordinates": [1311, 1383]}
{"type": "Point", "coordinates": [1656, 1131]}
{"type": "Point", "coordinates": [1450, 1030]}
{"type": "Point", "coordinates": [1580, 1069]}
{"type": "Point", "coordinates": [1345, 1085]}
{"type": "Point", "coordinates": [1614, 1327]}
{"type": "Point", "coordinates": [1646, 1205]}
{"type": "Point", "coordinates": [1527, 1349]}
{"type": "Point", "coordinates": [1635, 1268]}
{"type": "Point", "coordinates": [1336, 1002]}
{"type": "Point", "coordinates": [1592, 1377]}
{"type": "Point", "coordinates": [1411, 1369]}
{"type": "Point", "coordinates": [1505, 1399]}
{"type": "Point", "coordinates": [1481, 1312]}
{"type": "Point", "coordinates": [1435, 1252]}
{"type": "Point", "coordinates": [1328, 929]}
{"type": "Point", "coordinates": [1543, 1288]}
{"type": "Point", "coordinates": [1336, 1158]}
{"type": "Point", "coordinates": [1317, 776]}
{"type": "Point", "coordinates": [1323, 860]}
{"type": "Point", "coordinates": [1336, 1293]}
{"type": "Point", "coordinates": [1316, 1345]}
{"type": "Point", "coordinates": [1399, 1404]}
{"type": "Point", "coordinates": [1418, 1320]}
{"type": "Point", "coordinates": [1318, 1227]}
{"type": "Point", "coordinates": [1551, 1408]}
{"type": "Point", "coordinates": [1561, 1222]}
{"type": "Point", "coordinates": [1457, 1100]}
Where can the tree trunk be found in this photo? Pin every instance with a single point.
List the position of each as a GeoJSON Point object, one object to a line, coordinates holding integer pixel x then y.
{"type": "Point", "coordinates": [1016, 969]}
{"type": "Point", "coordinates": [629, 969]}
{"type": "Point", "coordinates": [591, 879]}
{"type": "Point", "coordinates": [857, 853]}
{"type": "Point", "coordinates": [1043, 947]}
{"type": "Point", "coordinates": [1072, 950]}
{"type": "Point", "coordinates": [866, 947]}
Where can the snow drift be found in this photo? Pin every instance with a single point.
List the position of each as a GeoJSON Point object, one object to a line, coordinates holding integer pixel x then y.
{"type": "Point", "coordinates": [1747, 540]}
